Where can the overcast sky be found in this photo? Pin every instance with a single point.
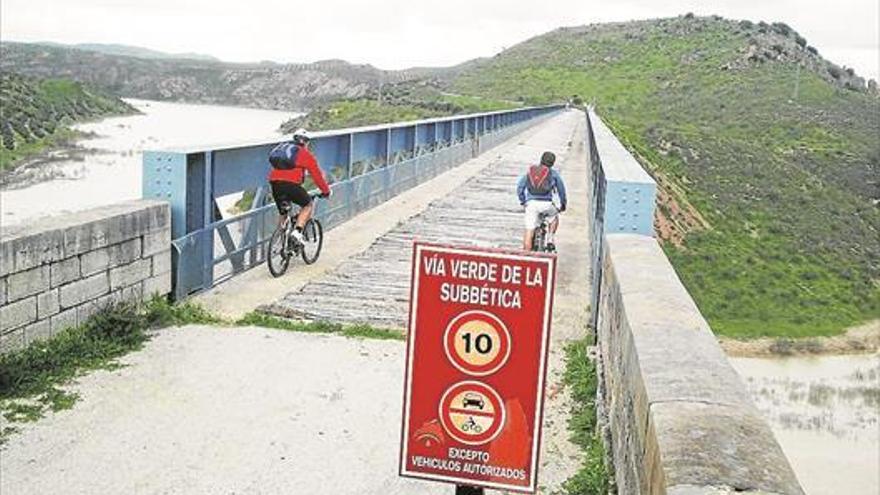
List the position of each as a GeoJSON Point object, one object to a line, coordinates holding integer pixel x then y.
{"type": "Point", "coordinates": [395, 34]}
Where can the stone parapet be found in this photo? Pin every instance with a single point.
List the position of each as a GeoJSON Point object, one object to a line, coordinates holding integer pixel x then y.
{"type": "Point", "coordinates": [681, 419]}
{"type": "Point", "coordinates": [57, 271]}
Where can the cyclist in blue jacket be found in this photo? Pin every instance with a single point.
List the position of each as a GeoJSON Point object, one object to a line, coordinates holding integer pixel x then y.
{"type": "Point", "coordinates": [535, 191]}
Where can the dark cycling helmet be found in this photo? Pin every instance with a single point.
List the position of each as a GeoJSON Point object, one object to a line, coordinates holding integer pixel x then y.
{"type": "Point", "coordinates": [301, 136]}
{"type": "Point", "coordinates": [548, 158]}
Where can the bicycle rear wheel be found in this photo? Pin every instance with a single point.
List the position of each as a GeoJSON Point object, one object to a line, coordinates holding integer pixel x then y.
{"type": "Point", "coordinates": [313, 240]}
{"type": "Point", "coordinates": [277, 255]}
{"type": "Point", "coordinates": [538, 239]}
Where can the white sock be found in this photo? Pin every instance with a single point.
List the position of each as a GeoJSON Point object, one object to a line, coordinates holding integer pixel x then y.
{"type": "Point", "coordinates": [298, 235]}
{"type": "Point", "coordinates": [550, 237]}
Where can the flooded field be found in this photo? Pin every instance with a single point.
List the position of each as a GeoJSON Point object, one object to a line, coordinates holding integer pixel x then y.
{"type": "Point", "coordinates": [825, 412]}
{"type": "Point", "coordinates": [105, 166]}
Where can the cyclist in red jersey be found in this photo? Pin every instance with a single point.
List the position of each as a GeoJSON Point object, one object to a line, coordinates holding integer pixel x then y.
{"type": "Point", "coordinates": [287, 184]}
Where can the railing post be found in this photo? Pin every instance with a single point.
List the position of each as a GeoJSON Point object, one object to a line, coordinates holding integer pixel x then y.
{"type": "Point", "coordinates": [350, 155]}
{"type": "Point", "coordinates": [388, 147]}
{"type": "Point", "coordinates": [208, 218]}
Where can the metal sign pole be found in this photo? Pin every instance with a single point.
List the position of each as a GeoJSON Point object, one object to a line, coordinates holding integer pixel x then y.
{"type": "Point", "coordinates": [468, 490]}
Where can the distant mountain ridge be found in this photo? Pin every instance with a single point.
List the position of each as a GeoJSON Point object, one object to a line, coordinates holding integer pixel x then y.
{"type": "Point", "coordinates": [129, 51]}
{"type": "Point", "coordinates": [261, 85]}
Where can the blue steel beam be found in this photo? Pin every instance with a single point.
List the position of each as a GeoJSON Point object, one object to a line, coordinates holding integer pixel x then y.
{"type": "Point", "coordinates": [622, 197]}
{"type": "Point", "coordinates": [193, 178]}
{"type": "Point", "coordinates": [164, 177]}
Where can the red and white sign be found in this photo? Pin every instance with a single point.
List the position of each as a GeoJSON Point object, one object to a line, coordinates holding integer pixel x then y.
{"type": "Point", "coordinates": [479, 333]}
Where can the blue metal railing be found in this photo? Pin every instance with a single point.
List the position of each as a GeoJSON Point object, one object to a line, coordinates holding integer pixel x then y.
{"type": "Point", "coordinates": [366, 166]}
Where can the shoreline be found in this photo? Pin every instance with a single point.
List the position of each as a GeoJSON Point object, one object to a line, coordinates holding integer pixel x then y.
{"type": "Point", "coordinates": [64, 145]}
{"type": "Point", "coordinates": [860, 339]}
{"type": "Point", "coordinates": [38, 168]}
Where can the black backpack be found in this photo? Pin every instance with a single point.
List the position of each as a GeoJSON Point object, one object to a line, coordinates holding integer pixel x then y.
{"type": "Point", "coordinates": [283, 156]}
{"type": "Point", "coordinates": [539, 181]}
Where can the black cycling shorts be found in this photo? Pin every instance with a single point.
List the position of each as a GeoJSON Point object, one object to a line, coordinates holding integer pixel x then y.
{"type": "Point", "coordinates": [288, 192]}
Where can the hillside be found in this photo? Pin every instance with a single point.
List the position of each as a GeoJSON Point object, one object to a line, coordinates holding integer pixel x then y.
{"type": "Point", "coordinates": [34, 114]}
{"type": "Point", "coordinates": [265, 85]}
{"type": "Point", "coordinates": [768, 158]}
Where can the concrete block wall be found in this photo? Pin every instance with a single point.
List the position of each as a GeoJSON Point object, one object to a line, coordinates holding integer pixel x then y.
{"type": "Point", "coordinates": [681, 420]}
{"type": "Point", "coordinates": [58, 271]}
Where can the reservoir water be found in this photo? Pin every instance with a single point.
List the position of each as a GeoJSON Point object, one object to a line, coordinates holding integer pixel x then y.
{"type": "Point", "coordinates": [109, 169]}
{"type": "Point", "coordinates": [825, 413]}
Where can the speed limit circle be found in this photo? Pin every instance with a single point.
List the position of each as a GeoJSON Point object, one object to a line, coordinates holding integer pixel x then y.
{"type": "Point", "coordinates": [477, 343]}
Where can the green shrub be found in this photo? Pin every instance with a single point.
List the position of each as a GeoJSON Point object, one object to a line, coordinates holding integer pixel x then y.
{"type": "Point", "coordinates": [781, 28]}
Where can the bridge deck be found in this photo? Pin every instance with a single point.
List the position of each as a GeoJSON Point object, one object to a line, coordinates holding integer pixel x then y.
{"type": "Point", "coordinates": [372, 286]}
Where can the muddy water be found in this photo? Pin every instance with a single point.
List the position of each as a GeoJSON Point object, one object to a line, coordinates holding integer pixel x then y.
{"type": "Point", "coordinates": [825, 412]}
{"type": "Point", "coordinates": [106, 167]}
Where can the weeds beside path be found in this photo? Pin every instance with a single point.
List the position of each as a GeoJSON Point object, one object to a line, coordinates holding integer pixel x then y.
{"type": "Point", "coordinates": [580, 375]}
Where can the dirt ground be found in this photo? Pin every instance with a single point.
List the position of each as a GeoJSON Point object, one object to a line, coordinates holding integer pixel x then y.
{"type": "Point", "coordinates": [862, 339]}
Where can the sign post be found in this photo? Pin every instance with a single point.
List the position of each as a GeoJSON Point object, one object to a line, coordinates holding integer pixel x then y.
{"type": "Point", "coordinates": [479, 333]}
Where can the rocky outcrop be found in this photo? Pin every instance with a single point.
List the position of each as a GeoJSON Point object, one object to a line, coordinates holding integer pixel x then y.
{"type": "Point", "coordinates": [264, 85]}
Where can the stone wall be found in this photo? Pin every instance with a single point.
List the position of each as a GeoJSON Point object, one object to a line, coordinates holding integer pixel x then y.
{"type": "Point", "coordinates": [58, 271]}
{"type": "Point", "coordinates": [681, 420]}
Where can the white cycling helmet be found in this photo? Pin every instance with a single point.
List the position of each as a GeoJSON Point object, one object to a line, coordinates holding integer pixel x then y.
{"type": "Point", "coordinates": [301, 136]}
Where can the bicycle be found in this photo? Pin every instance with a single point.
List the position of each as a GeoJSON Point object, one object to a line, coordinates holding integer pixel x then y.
{"type": "Point", "coordinates": [283, 246]}
{"type": "Point", "coordinates": [539, 238]}
{"type": "Point", "coordinates": [471, 425]}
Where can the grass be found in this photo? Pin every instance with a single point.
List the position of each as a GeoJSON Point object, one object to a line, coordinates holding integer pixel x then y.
{"type": "Point", "coordinates": [361, 331]}
{"type": "Point", "coordinates": [475, 104]}
{"type": "Point", "coordinates": [580, 376]}
{"type": "Point", "coordinates": [32, 380]}
{"type": "Point", "coordinates": [394, 107]}
{"type": "Point", "coordinates": [355, 113]}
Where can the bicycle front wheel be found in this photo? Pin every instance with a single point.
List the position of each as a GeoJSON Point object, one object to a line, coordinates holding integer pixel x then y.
{"type": "Point", "coordinates": [313, 240]}
{"type": "Point", "coordinates": [277, 255]}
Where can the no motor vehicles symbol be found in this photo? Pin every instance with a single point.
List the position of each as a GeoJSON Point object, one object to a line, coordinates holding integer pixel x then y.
{"type": "Point", "coordinates": [472, 412]}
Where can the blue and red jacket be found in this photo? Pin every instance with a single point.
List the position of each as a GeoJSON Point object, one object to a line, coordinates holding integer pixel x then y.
{"type": "Point", "coordinates": [522, 191]}
{"type": "Point", "coordinates": [305, 162]}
